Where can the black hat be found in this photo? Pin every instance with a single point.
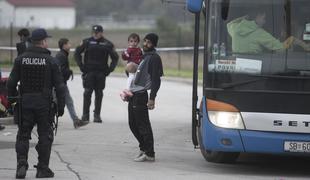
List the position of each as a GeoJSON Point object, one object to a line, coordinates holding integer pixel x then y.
{"type": "Point", "coordinates": [39, 34]}
{"type": "Point", "coordinates": [97, 28]}
{"type": "Point", "coordinates": [153, 38]}
{"type": "Point", "coordinates": [23, 32]}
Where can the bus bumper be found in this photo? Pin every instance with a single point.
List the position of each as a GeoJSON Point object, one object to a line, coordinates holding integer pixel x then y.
{"type": "Point", "coordinates": [233, 140]}
{"type": "Point", "coordinates": [230, 140]}
{"type": "Point", "coordinates": [269, 142]}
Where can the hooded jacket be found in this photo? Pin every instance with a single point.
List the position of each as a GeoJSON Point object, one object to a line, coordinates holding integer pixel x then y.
{"type": "Point", "coordinates": [148, 74]}
{"type": "Point", "coordinates": [248, 37]}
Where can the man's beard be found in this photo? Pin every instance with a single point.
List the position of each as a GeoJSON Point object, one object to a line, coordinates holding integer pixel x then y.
{"type": "Point", "coordinates": [146, 49]}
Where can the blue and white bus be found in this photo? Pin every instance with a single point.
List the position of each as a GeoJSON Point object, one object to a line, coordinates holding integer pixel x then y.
{"type": "Point", "coordinates": [256, 81]}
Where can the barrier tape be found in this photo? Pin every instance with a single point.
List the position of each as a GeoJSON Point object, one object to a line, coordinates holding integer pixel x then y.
{"type": "Point", "coordinates": [165, 49]}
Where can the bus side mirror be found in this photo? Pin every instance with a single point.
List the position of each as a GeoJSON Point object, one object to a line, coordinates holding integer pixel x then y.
{"type": "Point", "coordinates": [194, 6]}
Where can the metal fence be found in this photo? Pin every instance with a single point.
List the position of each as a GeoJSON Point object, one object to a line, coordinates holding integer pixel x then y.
{"type": "Point", "coordinates": [179, 58]}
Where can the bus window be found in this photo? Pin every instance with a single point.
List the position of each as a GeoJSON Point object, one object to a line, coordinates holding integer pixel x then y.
{"type": "Point", "coordinates": [259, 37]}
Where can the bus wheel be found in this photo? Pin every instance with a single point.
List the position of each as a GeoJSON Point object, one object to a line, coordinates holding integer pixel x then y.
{"type": "Point", "coordinates": [220, 157]}
{"type": "Point", "coordinates": [216, 156]}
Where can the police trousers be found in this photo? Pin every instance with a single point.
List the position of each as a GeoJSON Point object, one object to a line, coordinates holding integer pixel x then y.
{"type": "Point", "coordinates": [93, 81]}
{"type": "Point", "coordinates": [35, 112]}
{"type": "Point", "coordinates": [139, 122]}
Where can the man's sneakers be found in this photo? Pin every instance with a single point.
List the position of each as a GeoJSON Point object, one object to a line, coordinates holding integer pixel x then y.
{"type": "Point", "coordinates": [76, 124]}
{"type": "Point", "coordinates": [140, 154]}
{"type": "Point", "coordinates": [142, 157]}
{"type": "Point", "coordinates": [97, 118]}
{"type": "Point", "coordinates": [79, 123]}
{"type": "Point", "coordinates": [21, 170]}
{"type": "Point", "coordinates": [44, 172]}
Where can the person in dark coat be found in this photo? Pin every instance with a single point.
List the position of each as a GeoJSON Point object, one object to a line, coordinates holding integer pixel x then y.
{"type": "Point", "coordinates": [63, 63]}
{"type": "Point", "coordinates": [38, 75]}
{"type": "Point", "coordinates": [24, 41]}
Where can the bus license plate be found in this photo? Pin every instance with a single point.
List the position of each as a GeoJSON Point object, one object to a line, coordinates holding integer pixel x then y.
{"type": "Point", "coordinates": [297, 146]}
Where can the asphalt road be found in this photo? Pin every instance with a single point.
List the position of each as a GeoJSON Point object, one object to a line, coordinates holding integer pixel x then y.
{"type": "Point", "coordinates": [106, 151]}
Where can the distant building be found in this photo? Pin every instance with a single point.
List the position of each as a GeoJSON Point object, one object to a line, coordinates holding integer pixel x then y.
{"type": "Point", "coordinates": [38, 13]}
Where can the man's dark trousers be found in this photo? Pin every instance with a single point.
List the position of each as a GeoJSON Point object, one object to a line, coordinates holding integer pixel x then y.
{"type": "Point", "coordinates": [39, 113]}
{"type": "Point", "coordinates": [93, 81]}
{"type": "Point", "coordinates": [139, 122]}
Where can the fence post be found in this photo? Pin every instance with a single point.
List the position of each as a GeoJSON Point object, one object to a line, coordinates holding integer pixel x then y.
{"type": "Point", "coordinates": [11, 41]}
{"type": "Point", "coordinates": [179, 45]}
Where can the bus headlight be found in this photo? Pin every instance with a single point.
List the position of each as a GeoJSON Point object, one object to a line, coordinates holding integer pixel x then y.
{"type": "Point", "coordinates": [231, 120]}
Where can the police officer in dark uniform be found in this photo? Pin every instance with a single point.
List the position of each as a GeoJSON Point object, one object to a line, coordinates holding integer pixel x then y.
{"type": "Point", "coordinates": [37, 73]}
{"type": "Point", "coordinates": [24, 41]}
{"type": "Point", "coordinates": [95, 68]}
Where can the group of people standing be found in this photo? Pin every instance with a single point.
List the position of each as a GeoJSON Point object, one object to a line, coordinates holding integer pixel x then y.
{"type": "Point", "coordinates": [40, 75]}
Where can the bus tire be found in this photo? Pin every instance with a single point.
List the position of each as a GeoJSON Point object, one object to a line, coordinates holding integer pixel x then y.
{"type": "Point", "coordinates": [216, 156]}
{"type": "Point", "coordinates": [220, 157]}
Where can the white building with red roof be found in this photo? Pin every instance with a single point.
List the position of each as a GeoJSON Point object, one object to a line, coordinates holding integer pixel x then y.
{"type": "Point", "coordinates": [48, 14]}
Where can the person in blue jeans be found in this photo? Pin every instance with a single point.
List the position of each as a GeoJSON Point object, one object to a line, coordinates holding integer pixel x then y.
{"type": "Point", "coordinates": [63, 63]}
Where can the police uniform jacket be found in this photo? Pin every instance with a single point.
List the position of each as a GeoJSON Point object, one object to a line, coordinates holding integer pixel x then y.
{"type": "Point", "coordinates": [96, 55]}
{"type": "Point", "coordinates": [37, 73]}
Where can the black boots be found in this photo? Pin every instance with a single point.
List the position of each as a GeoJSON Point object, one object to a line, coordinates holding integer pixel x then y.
{"type": "Point", "coordinates": [21, 170]}
{"type": "Point", "coordinates": [79, 123]}
{"type": "Point", "coordinates": [97, 118]}
{"type": "Point", "coordinates": [85, 117]}
{"type": "Point", "coordinates": [44, 172]}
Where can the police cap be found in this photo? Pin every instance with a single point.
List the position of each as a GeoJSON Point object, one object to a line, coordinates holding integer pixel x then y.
{"type": "Point", "coordinates": [97, 28]}
{"type": "Point", "coordinates": [39, 34]}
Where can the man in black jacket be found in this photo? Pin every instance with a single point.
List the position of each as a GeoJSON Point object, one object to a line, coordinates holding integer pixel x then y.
{"type": "Point", "coordinates": [95, 68]}
{"type": "Point", "coordinates": [38, 74]}
{"type": "Point", "coordinates": [147, 77]}
{"type": "Point", "coordinates": [24, 41]}
{"type": "Point", "coordinates": [63, 63]}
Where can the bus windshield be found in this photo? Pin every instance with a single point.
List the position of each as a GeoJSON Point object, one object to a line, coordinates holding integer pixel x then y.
{"type": "Point", "coordinates": [258, 39]}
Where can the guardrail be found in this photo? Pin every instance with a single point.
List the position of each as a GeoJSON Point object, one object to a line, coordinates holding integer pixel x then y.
{"type": "Point", "coordinates": [173, 57]}
{"type": "Point", "coordinates": [164, 49]}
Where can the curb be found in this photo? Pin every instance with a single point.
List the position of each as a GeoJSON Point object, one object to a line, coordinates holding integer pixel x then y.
{"type": "Point", "coordinates": [7, 120]}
